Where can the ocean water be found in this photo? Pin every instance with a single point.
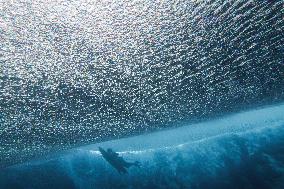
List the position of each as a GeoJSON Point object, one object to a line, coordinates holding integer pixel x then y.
{"type": "Point", "coordinates": [192, 89]}
{"type": "Point", "coordinates": [243, 150]}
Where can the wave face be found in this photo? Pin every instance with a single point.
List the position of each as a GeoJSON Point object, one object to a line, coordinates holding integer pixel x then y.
{"type": "Point", "coordinates": [78, 72]}
{"type": "Point", "coordinates": [243, 150]}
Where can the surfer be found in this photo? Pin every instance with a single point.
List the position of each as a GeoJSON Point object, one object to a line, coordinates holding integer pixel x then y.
{"type": "Point", "coordinates": [116, 161]}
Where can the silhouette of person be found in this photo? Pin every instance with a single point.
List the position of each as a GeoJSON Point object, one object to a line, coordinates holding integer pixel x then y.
{"type": "Point", "coordinates": [116, 161]}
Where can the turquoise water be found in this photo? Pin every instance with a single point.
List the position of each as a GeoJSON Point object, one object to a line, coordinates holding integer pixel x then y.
{"type": "Point", "coordinates": [193, 89]}
{"type": "Point", "coordinates": [243, 150]}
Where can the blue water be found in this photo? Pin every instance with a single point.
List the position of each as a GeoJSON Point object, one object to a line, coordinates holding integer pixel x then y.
{"type": "Point", "coordinates": [192, 89]}
{"type": "Point", "coordinates": [243, 150]}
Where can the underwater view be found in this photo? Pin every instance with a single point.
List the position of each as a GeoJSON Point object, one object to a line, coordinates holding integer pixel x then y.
{"type": "Point", "coordinates": [141, 94]}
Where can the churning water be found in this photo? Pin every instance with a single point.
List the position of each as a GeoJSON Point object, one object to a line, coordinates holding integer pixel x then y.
{"type": "Point", "coordinates": [193, 89]}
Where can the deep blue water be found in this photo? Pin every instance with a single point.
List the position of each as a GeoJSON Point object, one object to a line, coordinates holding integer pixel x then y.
{"type": "Point", "coordinates": [192, 89]}
{"type": "Point", "coordinates": [244, 150]}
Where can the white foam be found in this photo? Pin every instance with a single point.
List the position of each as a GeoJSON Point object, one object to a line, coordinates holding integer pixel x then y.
{"type": "Point", "coordinates": [240, 123]}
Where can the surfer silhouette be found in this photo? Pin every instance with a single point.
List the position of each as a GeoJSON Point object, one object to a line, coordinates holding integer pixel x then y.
{"type": "Point", "coordinates": [116, 161]}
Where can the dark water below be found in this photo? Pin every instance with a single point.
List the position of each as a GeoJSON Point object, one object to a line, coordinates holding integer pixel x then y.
{"type": "Point", "coordinates": [244, 150]}
{"type": "Point", "coordinates": [74, 74]}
